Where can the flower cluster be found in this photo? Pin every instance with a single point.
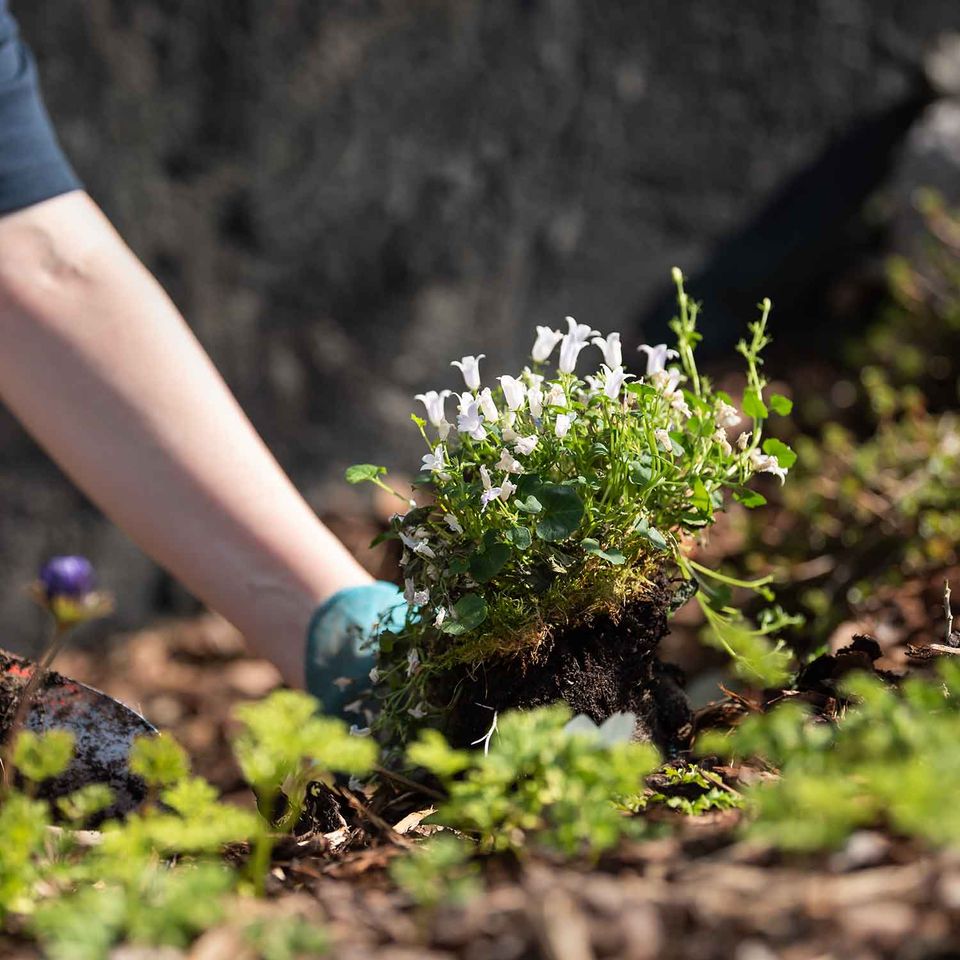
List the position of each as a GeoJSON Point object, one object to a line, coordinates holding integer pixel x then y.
{"type": "Point", "coordinates": [555, 494]}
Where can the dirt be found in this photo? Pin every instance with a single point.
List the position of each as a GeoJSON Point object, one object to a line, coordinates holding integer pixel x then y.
{"type": "Point", "coordinates": [601, 666]}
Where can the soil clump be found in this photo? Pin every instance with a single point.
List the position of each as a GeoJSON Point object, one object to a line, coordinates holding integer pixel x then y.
{"type": "Point", "coordinates": [603, 665]}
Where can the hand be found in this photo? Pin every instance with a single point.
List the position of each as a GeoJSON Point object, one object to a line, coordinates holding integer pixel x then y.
{"type": "Point", "coordinates": [337, 641]}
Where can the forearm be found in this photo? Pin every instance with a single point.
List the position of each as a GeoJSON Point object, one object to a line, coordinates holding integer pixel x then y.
{"type": "Point", "coordinates": [100, 367]}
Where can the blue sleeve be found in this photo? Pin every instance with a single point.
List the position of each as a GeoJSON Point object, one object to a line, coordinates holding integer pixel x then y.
{"type": "Point", "coordinates": [32, 165]}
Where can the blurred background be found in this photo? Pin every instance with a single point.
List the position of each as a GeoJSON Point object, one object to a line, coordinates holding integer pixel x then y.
{"type": "Point", "coordinates": [343, 196]}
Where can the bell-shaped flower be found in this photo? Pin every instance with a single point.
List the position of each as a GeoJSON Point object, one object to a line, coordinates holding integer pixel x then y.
{"type": "Point", "coordinates": [471, 422]}
{"type": "Point", "coordinates": [727, 415]}
{"type": "Point", "coordinates": [720, 438]}
{"type": "Point", "coordinates": [487, 497]}
{"type": "Point", "coordinates": [564, 421]}
{"type": "Point", "coordinates": [434, 462]}
{"type": "Point", "coordinates": [547, 339]}
{"type": "Point", "coordinates": [509, 462]}
{"type": "Point", "coordinates": [506, 430]}
{"type": "Point", "coordinates": [441, 616]}
{"type": "Point", "coordinates": [485, 478]}
{"type": "Point", "coordinates": [507, 489]}
{"type": "Point", "coordinates": [532, 379]}
{"type": "Point", "coordinates": [470, 368]}
{"type": "Point", "coordinates": [657, 357]}
{"type": "Point", "coordinates": [535, 402]}
{"type": "Point", "coordinates": [434, 403]}
{"type": "Point", "coordinates": [744, 439]}
{"type": "Point", "coordinates": [417, 545]}
{"type": "Point", "coordinates": [487, 407]}
{"type": "Point", "coordinates": [413, 662]}
{"type": "Point", "coordinates": [613, 380]}
{"type": "Point", "coordinates": [577, 337]}
{"type": "Point", "coordinates": [452, 522]}
{"type": "Point", "coordinates": [765, 463]}
{"type": "Point", "coordinates": [663, 438]}
{"type": "Point", "coordinates": [612, 351]}
{"type": "Point", "coordinates": [412, 595]}
{"type": "Point", "coordinates": [555, 396]}
{"type": "Point", "coordinates": [525, 445]}
{"type": "Point", "coordinates": [514, 392]}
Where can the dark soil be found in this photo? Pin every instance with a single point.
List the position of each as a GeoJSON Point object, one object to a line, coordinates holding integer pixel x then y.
{"type": "Point", "coordinates": [603, 665]}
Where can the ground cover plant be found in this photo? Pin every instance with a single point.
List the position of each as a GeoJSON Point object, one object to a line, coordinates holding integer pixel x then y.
{"type": "Point", "coordinates": [561, 511]}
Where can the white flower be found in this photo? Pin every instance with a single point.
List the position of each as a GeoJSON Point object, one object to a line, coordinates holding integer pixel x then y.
{"type": "Point", "coordinates": [612, 351]}
{"type": "Point", "coordinates": [720, 437]}
{"type": "Point", "coordinates": [419, 711]}
{"type": "Point", "coordinates": [356, 731]}
{"type": "Point", "coordinates": [613, 380]}
{"type": "Point", "coordinates": [663, 438]}
{"type": "Point", "coordinates": [453, 523]}
{"type": "Point", "coordinates": [533, 379]}
{"type": "Point", "coordinates": [487, 497]}
{"type": "Point", "coordinates": [507, 431]}
{"type": "Point", "coordinates": [441, 616]}
{"type": "Point", "coordinates": [525, 445]}
{"type": "Point", "coordinates": [764, 463]}
{"type": "Point", "coordinates": [485, 477]}
{"type": "Point", "coordinates": [678, 403]}
{"type": "Point", "coordinates": [744, 439]}
{"type": "Point", "coordinates": [355, 706]}
{"type": "Point", "coordinates": [507, 489]}
{"type": "Point", "coordinates": [420, 547]}
{"type": "Point", "coordinates": [434, 461]}
{"type": "Point", "coordinates": [535, 402]}
{"type": "Point", "coordinates": [547, 339]}
{"type": "Point", "coordinates": [508, 462]}
{"type": "Point", "coordinates": [470, 368]}
{"type": "Point", "coordinates": [657, 357]}
{"type": "Point", "coordinates": [464, 400]}
{"type": "Point", "coordinates": [471, 422]}
{"type": "Point", "coordinates": [374, 675]}
{"type": "Point", "coordinates": [413, 662]}
{"type": "Point", "coordinates": [514, 391]}
{"type": "Point", "coordinates": [727, 415]}
{"type": "Point", "coordinates": [573, 342]}
{"type": "Point", "coordinates": [487, 407]}
{"type": "Point", "coordinates": [562, 426]}
{"type": "Point", "coordinates": [434, 403]}
{"type": "Point", "coordinates": [594, 386]}
{"type": "Point", "coordinates": [555, 396]}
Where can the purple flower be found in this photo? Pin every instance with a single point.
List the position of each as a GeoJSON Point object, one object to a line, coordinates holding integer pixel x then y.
{"type": "Point", "coordinates": [71, 577]}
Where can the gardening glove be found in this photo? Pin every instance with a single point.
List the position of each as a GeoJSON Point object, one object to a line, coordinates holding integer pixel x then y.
{"type": "Point", "coordinates": [338, 641]}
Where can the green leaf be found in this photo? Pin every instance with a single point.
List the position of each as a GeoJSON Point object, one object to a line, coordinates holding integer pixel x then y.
{"type": "Point", "coordinates": [529, 505]}
{"type": "Point", "coordinates": [700, 499]}
{"type": "Point", "coordinates": [487, 563]}
{"type": "Point", "coordinates": [753, 405]}
{"type": "Point", "coordinates": [468, 613]}
{"type": "Point", "coordinates": [40, 756]}
{"type": "Point", "coordinates": [360, 472]}
{"type": "Point", "coordinates": [777, 448]}
{"type": "Point", "coordinates": [562, 512]}
{"type": "Point", "coordinates": [749, 498]}
{"type": "Point", "coordinates": [651, 534]}
{"type": "Point", "coordinates": [159, 760]}
{"type": "Point", "coordinates": [520, 537]}
{"type": "Point", "coordinates": [781, 404]}
{"type": "Point", "coordinates": [458, 565]}
{"type": "Point", "coordinates": [611, 556]}
{"type": "Point", "coordinates": [640, 472]}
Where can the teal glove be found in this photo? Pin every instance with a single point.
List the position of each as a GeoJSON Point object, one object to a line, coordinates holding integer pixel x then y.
{"type": "Point", "coordinates": [337, 635]}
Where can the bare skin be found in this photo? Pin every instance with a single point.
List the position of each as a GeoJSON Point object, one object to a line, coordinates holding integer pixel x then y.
{"type": "Point", "coordinates": [100, 367]}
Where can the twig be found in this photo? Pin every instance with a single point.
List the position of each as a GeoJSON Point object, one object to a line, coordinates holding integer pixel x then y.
{"type": "Point", "coordinates": [952, 641]}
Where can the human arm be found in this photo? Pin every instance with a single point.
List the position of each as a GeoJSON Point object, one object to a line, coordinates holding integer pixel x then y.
{"type": "Point", "coordinates": [100, 367]}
